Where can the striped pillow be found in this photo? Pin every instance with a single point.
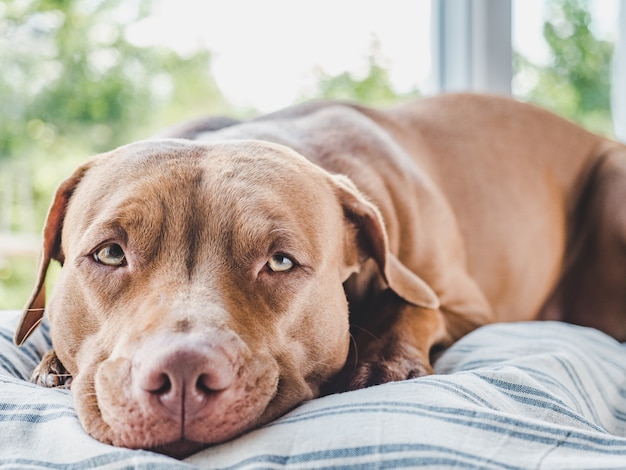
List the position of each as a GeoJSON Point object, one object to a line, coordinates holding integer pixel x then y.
{"type": "Point", "coordinates": [524, 395]}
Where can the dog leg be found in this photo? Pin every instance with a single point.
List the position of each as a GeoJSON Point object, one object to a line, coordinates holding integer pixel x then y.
{"type": "Point", "coordinates": [400, 348]}
{"type": "Point", "coordinates": [51, 373]}
{"type": "Point", "coordinates": [592, 288]}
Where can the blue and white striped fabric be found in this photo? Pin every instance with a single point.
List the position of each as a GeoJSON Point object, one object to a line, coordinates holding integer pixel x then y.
{"type": "Point", "coordinates": [514, 396]}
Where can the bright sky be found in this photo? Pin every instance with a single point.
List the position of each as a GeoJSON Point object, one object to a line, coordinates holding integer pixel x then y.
{"type": "Point", "coordinates": [265, 52]}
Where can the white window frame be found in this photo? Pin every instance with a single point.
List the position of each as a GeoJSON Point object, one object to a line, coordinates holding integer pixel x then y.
{"type": "Point", "coordinates": [473, 46]}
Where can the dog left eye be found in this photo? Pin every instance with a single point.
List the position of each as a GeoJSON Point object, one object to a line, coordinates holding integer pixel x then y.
{"type": "Point", "coordinates": [280, 263]}
{"type": "Point", "coordinates": [110, 255]}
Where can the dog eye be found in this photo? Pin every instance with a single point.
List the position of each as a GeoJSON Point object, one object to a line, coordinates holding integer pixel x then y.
{"type": "Point", "coordinates": [110, 255]}
{"type": "Point", "coordinates": [280, 263]}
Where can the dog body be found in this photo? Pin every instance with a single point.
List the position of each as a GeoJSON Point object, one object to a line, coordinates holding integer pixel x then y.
{"type": "Point", "coordinates": [212, 283]}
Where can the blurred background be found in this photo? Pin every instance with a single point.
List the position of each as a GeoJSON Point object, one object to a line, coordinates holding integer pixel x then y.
{"type": "Point", "coordinates": [79, 77]}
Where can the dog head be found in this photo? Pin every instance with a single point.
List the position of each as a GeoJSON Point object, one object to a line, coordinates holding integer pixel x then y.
{"type": "Point", "coordinates": [201, 290]}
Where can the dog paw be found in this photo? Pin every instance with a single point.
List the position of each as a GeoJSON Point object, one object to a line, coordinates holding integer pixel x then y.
{"type": "Point", "coordinates": [383, 365]}
{"type": "Point", "coordinates": [51, 373]}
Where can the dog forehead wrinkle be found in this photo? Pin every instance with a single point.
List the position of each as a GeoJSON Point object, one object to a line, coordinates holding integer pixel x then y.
{"type": "Point", "coordinates": [250, 177]}
{"type": "Point", "coordinates": [193, 223]}
{"type": "Point", "coordinates": [173, 211]}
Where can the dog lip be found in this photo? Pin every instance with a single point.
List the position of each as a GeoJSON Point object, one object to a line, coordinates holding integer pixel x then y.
{"type": "Point", "coordinates": [180, 449]}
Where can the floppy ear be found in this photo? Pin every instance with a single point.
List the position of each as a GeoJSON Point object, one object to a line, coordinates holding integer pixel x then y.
{"type": "Point", "coordinates": [372, 242]}
{"type": "Point", "coordinates": [34, 310]}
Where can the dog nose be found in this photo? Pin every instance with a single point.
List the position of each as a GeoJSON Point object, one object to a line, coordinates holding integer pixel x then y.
{"type": "Point", "coordinates": [183, 378]}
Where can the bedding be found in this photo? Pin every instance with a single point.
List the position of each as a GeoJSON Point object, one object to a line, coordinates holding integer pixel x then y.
{"type": "Point", "coordinates": [510, 396]}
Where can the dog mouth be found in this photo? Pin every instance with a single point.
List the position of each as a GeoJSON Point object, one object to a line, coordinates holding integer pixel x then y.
{"type": "Point", "coordinates": [180, 449]}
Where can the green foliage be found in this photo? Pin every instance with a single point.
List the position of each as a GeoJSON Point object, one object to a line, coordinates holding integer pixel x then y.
{"type": "Point", "coordinates": [374, 88]}
{"type": "Point", "coordinates": [70, 72]}
{"type": "Point", "coordinates": [576, 83]}
{"type": "Point", "coordinates": [73, 85]}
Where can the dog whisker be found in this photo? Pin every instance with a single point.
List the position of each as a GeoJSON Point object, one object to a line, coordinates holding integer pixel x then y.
{"type": "Point", "coordinates": [355, 348]}
{"type": "Point", "coordinates": [366, 331]}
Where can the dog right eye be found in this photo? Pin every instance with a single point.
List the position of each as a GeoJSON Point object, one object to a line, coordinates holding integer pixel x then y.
{"type": "Point", "coordinates": [110, 255]}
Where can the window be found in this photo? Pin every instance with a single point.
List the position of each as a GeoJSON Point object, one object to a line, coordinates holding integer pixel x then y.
{"type": "Point", "coordinates": [499, 46]}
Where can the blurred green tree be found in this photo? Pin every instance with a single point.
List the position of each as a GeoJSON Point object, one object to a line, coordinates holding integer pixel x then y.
{"type": "Point", "coordinates": [577, 81]}
{"type": "Point", "coordinates": [72, 84]}
{"type": "Point", "coordinates": [69, 70]}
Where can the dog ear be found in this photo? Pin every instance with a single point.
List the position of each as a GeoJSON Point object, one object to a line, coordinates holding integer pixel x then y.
{"type": "Point", "coordinates": [34, 310]}
{"type": "Point", "coordinates": [372, 242]}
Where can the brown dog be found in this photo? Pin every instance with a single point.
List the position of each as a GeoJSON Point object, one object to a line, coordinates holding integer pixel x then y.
{"type": "Point", "coordinates": [212, 283]}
